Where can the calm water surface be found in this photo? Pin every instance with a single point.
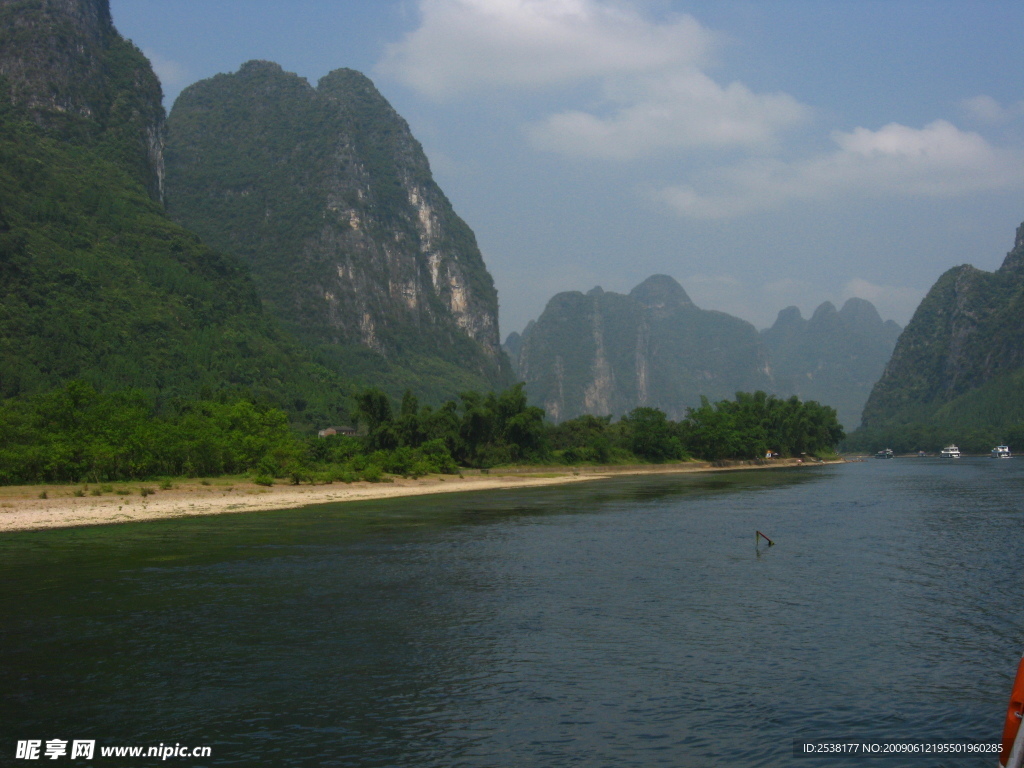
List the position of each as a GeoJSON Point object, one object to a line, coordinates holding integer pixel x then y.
{"type": "Point", "coordinates": [628, 622]}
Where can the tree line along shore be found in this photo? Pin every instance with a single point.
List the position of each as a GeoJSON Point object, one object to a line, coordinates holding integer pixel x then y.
{"type": "Point", "coordinates": [76, 434]}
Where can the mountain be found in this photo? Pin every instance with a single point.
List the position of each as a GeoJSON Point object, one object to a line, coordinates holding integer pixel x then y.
{"type": "Point", "coordinates": [96, 282]}
{"type": "Point", "coordinates": [329, 199]}
{"type": "Point", "coordinates": [607, 353]}
{"type": "Point", "coordinates": [835, 357]}
{"type": "Point", "coordinates": [957, 373]}
{"type": "Point", "coordinates": [73, 76]}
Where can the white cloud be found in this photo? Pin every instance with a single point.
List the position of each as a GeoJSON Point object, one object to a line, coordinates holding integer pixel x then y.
{"type": "Point", "coordinates": [656, 94]}
{"type": "Point", "coordinates": [171, 73]}
{"type": "Point", "coordinates": [938, 160]}
{"type": "Point", "coordinates": [682, 109]}
{"type": "Point", "coordinates": [984, 109]}
{"type": "Point", "coordinates": [469, 45]}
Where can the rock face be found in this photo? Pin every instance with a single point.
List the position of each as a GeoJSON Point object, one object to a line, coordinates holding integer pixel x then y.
{"type": "Point", "coordinates": [67, 68]}
{"type": "Point", "coordinates": [327, 196]}
{"type": "Point", "coordinates": [835, 357]}
{"type": "Point", "coordinates": [959, 365]}
{"type": "Point", "coordinates": [96, 283]}
{"type": "Point", "coordinates": [605, 353]}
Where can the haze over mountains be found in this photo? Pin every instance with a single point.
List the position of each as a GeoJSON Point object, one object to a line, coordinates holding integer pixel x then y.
{"type": "Point", "coordinates": [607, 353]}
{"type": "Point", "coordinates": [957, 373]}
{"type": "Point", "coordinates": [311, 253]}
{"type": "Point", "coordinates": [835, 357]}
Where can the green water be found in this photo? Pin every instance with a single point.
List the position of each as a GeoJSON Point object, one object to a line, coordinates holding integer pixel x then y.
{"type": "Point", "coordinates": [622, 623]}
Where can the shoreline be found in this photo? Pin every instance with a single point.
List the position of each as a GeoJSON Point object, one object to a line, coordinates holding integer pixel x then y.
{"type": "Point", "coordinates": [22, 508]}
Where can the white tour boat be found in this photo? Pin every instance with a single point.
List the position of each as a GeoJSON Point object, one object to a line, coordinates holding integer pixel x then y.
{"type": "Point", "coordinates": [950, 452]}
{"type": "Point", "coordinates": [1001, 452]}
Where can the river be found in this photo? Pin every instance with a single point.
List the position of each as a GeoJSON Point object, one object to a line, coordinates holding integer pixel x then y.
{"type": "Point", "coordinates": [625, 622]}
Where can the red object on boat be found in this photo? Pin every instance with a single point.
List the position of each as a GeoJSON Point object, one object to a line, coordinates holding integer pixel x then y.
{"type": "Point", "coordinates": [1014, 713]}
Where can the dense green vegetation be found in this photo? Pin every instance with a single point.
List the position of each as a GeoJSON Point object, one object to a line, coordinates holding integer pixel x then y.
{"type": "Point", "coordinates": [957, 373]}
{"type": "Point", "coordinates": [174, 367]}
{"type": "Point", "coordinates": [97, 284]}
{"type": "Point", "coordinates": [77, 434]}
{"type": "Point", "coordinates": [976, 421]}
{"type": "Point", "coordinates": [323, 193]}
{"type": "Point", "coordinates": [78, 80]}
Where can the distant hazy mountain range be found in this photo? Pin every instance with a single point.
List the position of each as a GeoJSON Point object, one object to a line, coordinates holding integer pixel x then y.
{"type": "Point", "coordinates": [607, 353]}
{"type": "Point", "coordinates": [957, 373]}
{"type": "Point", "coordinates": [309, 251]}
{"type": "Point", "coordinates": [835, 357]}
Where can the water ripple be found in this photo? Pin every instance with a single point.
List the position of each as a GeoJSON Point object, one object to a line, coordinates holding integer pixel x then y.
{"type": "Point", "coordinates": [621, 623]}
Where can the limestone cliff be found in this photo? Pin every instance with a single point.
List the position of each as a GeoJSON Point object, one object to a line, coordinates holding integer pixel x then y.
{"type": "Point", "coordinates": [607, 353]}
{"type": "Point", "coordinates": [96, 283]}
{"type": "Point", "coordinates": [835, 357]}
{"type": "Point", "coordinates": [329, 198]}
{"type": "Point", "coordinates": [958, 368]}
{"type": "Point", "coordinates": [63, 64]}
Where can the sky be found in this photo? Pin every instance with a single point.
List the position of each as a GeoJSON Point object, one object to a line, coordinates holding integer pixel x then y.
{"type": "Point", "coordinates": [765, 154]}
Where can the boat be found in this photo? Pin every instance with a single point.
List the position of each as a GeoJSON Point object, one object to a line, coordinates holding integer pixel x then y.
{"type": "Point", "coordinates": [886, 454]}
{"type": "Point", "coordinates": [950, 452]}
{"type": "Point", "coordinates": [1001, 452]}
{"type": "Point", "coordinates": [1011, 755]}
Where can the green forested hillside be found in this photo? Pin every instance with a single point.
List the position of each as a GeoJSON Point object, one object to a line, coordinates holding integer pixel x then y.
{"type": "Point", "coordinates": [957, 373]}
{"type": "Point", "coordinates": [329, 200]}
{"type": "Point", "coordinates": [73, 76]}
{"type": "Point", "coordinates": [97, 284]}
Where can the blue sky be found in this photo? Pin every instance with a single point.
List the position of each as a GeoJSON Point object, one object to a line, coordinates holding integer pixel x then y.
{"type": "Point", "coordinates": [764, 154]}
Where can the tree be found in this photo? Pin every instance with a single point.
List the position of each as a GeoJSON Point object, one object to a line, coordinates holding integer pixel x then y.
{"type": "Point", "coordinates": [651, 435]}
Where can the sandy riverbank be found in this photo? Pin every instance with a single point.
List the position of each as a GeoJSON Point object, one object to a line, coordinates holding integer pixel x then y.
{"type": "Point", "coordinates": [62, 506]}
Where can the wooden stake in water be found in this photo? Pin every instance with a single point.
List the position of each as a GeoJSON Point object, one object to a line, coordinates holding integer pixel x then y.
{"type": "Point", "coordinates": [757, 539]}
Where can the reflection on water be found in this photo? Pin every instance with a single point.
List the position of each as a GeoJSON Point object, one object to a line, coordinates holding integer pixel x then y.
{"type": "Point", "coordinates": [629, 622]}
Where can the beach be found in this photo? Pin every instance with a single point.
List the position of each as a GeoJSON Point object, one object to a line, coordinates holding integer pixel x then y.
{"type": "Point", "coordinates": [62, 506]}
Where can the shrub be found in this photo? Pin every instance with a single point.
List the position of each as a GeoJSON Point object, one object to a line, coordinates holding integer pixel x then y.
{"type": "Point", "coordinates": [373, 474]}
